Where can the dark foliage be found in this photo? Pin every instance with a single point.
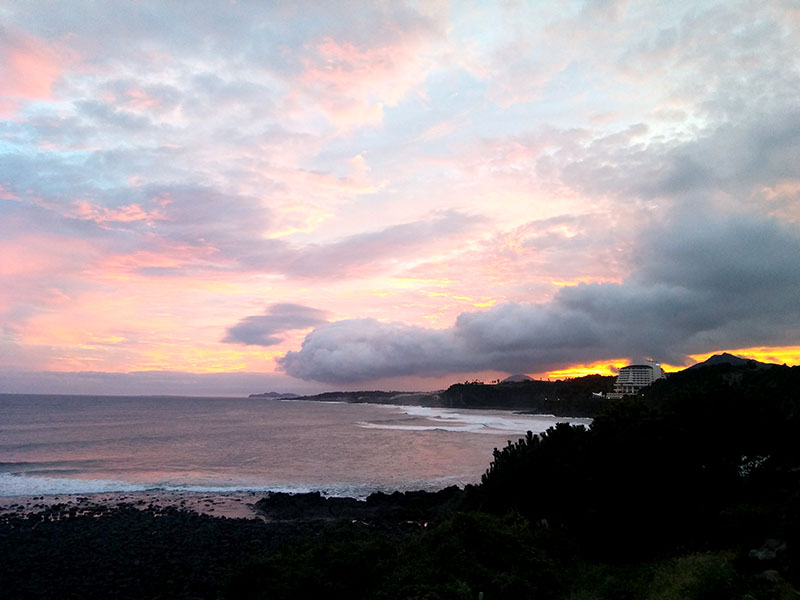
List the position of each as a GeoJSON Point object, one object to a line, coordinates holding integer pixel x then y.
{"type": "Point", "coordinates": [699, 457]}
{"type": "Point", "coordinates": [347, 561]}
{"type": "Point", "coordinates": [463, 555]}
{"type": "Point", "coordinates": [690, 491]}
{"type": "Point", "coordinates": [564, 398]}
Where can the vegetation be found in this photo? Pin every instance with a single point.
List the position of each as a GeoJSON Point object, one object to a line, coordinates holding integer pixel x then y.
{"type": "Point", "coordinates": [463, 555]}
{"type": "Point", "coordinates": [564, 398]}
{"type": "Point", "coordinates": [691, 490]}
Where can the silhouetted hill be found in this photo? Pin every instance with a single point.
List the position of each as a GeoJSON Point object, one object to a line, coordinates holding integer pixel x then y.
{"type": "Point", "coordinates": [372, 397]}
{"type": "Point", "coordinates": [690, 491]}
{"type": "Point", "coordinates": [706, 457]}
{"type": "Point", "coordinates": [730, 359]}
{"type": "Point", "coordinates": [563, 398]}
{"type": "Point", "coordinates": [516, 378]}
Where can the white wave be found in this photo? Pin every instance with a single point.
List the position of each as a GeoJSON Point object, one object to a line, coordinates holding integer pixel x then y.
{"type": "Point", "coordinates": [13, 485]}
{"type": "Point", "coordinates": [433, 427]}
{"type": "Point", "coordinates": [26, 485]}
{"type": "Point", "coordinates": [477, 421]}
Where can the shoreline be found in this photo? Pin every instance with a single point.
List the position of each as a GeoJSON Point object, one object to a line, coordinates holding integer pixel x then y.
{"type": "Point", "coordinates": [265, 506]}
{"type": "Point", "coordinates": [133, 545]}
{"type": "Point", "coordinates": [233, 505]}
{"type": "Point", "coordinates": [186, 545]}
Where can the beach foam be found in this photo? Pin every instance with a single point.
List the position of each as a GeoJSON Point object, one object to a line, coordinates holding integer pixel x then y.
{"type": "Point", "coordinates": [424, 418]}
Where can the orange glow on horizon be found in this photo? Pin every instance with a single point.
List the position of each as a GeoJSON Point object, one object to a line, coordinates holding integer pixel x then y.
{"type": "Point", "coordinates": [789, 355]}
{"type": "Point", "coordinates": [207, 359]}
{"type": "Point", "coordinates": [587, 280]}
{"type": "Point", "coordinates": [780, 355]}
{"type": "Point", "coordinates": [605, 367]}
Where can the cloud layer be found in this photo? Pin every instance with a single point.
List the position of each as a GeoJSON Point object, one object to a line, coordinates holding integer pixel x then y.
{"type": "Point", "coordinates": [699, 282]}
{"type": "Point", "coordinates": [455, 187]}
{"type": "Point", "coordinates": [264, 330]}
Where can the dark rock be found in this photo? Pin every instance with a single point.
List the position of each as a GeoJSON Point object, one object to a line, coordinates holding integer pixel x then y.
{"type": "Point", "coordinates": [773, 544]}
{"type": "Point", "coordinates": [770, 576]}
{"type": "Point", "coordinates": [762, 554]}
{"type": "Point", "coordinates": [129, 552]}
{"type": "Point", "coordinates": [378, 507]}
{"type": "Point", "coordinates": [768, 551]}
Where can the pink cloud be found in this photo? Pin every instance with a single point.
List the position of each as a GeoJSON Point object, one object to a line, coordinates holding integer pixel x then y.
{"type": "Point", "coordinates": [19, 259]}
{"type": "Point", "coordinates": [352, 84]}
{"type": "Point", "coordinates": [141, 100]}
{"type": "Point", "coordinates": [133, 96]}
{"type": "Point", "coordinates": [123, 214]}
{"type": "Point", "coordinates": [172, 258]}
{"type": "Point", "coordinates": [28, 70]}
{"type": "Point", "coordinates": [310, 198]}
{"type": "Point", "coordinates": [4, 193]}
{"type": "Point", "coordinates": [29, 255]}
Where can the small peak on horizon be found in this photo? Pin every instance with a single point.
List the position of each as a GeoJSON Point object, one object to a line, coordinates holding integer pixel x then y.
{"type": "Point", "coordinates": [516, 378]}
{"type": "Point", "coordinates": [726, 358]}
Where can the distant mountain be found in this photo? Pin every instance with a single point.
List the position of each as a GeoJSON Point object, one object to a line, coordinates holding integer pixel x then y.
{"type": "Point", "coordinates": [275, 395]}
{"type": "Point", "coordinates": [729, 359]}
{"type": "Point", "coordinates": [516, 378]}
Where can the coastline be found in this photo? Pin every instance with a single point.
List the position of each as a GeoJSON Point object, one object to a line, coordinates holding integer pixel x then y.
{"type": "Point", "coordinates": [267, 506]}
{"type": "Point", "coordinates": [233, 505]}
{"type": "Point", "coordinates": [133, 545]}
{"type": "Point", "coordinates": [184, 545]}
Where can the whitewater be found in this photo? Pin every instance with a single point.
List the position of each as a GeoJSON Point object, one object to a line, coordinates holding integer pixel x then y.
{"type": "Point", "coordinates": [52, 445]}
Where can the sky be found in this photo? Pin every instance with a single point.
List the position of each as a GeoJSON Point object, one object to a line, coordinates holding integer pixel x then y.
{"type": "Point", "coordinates": [237, 197]}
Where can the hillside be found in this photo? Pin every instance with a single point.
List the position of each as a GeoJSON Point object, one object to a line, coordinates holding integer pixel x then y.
{"type": "Point", "coordinates": [563, 398]}
{"type": "Point", "coordinates": [730, 359]}
{"type": "Point", "coordinates": [689, 492]}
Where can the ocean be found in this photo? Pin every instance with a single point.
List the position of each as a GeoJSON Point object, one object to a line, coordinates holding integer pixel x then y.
{"type": "Point", "coordinates": [52, 445]}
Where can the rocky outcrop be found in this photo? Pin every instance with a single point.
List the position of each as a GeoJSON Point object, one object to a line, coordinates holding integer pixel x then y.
{"type": "Point", "coordinates": [418, 506]}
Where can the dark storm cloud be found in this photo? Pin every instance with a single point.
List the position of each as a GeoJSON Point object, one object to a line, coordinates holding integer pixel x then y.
{"type": "Point", "coordinates": [700, 281]}
{"type": "Point", "coordinates": [760, 148]}
{"type": "Point", "coordinates": [363, 349]}
{"type": "Point", "coordinates": [265, 330]}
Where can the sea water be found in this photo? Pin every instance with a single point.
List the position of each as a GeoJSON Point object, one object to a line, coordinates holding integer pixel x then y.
{"type": "Point", "coordinates": [96, 444]}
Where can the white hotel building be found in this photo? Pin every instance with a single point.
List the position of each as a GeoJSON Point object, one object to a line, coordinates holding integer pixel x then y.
{"type": "Point", "coordinates": [633, 378]}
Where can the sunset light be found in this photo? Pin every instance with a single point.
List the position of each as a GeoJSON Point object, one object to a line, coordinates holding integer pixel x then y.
{"type": "Point", "coordinates": [296, 297]}
{"type": "Point", "coordinates": [393, 194]}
